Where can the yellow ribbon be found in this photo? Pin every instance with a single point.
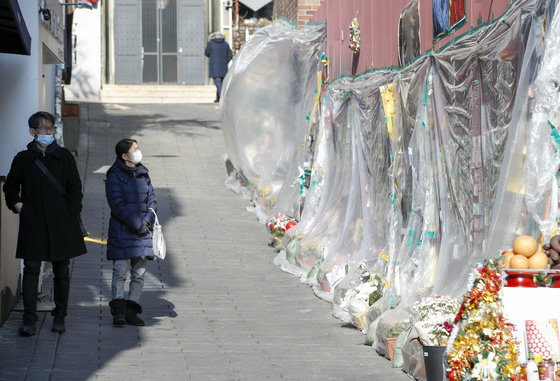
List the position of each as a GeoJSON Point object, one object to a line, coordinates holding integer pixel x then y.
{"type": "Point", "coordinates": [319, 76]}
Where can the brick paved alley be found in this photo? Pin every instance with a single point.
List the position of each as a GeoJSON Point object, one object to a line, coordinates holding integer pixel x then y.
{"type": "Point", "coordinates": [217, 308]}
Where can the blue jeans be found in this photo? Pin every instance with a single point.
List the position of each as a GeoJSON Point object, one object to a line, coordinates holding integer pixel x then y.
{"type": "Point", "coordinates": [121, 267]}
{"type": "Point", "coordinates": [218, 83]}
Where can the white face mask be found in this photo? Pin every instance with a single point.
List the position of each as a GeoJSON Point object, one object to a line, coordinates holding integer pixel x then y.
{"type": "Point", "coordinates": [136, 157]}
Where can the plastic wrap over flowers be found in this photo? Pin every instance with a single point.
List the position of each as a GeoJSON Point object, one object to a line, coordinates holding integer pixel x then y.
{"type": "Point", "coordinates": [265, 102]}
{"type": "Point", "coordinates": [404, 178]}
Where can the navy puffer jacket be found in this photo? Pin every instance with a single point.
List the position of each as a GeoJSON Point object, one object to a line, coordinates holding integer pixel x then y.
{"type": "Point", "coordinates": [219, 52]}
{"type": "Point", "coordinates": [130, 194]}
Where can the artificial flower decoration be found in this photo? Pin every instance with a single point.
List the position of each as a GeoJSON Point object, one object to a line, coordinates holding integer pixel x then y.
{"type": "Point", "coordinates": [484, 347]}
{"type": "Point", "coordinates": [485, 368]}
{"type": "Point", "coordinates": [279, 224]}
{"type": "Point", "coordinates": [355, 35]}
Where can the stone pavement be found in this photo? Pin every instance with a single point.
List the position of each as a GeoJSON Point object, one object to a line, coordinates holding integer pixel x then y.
{"type": "Point", "coordinates": [217, 308]}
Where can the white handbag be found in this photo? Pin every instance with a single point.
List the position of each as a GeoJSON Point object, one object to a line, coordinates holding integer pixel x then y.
{"type": "Point", "coordinates": [157, 239]}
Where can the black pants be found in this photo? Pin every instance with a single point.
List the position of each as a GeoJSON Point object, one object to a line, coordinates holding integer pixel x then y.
{"type": "Point", "coordinates": [30, 282]}
{"type": "Point", "coordinates": [218, 83]}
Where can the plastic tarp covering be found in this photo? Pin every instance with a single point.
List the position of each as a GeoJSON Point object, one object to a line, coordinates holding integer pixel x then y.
{"type": "Point", "coordinates": [323, 229]}
{"type": "Point", "coordinates": [417, 174]}
{"type": "Point", "coordinates": [473, 99]}
{"type": "Point", "coordinates": [527, 197]}
{"type": "Point", "coordinates": [473, 95]}
{"type": "Point", "coordinates": [264, 142]}
{"type": "Point", "coordinates": [412, 268]}
{"type": "Point", "coordinates": [362, 244]}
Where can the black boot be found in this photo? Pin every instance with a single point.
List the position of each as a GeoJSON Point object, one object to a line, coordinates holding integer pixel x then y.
{"type": "Point", "coordinates": [58, 325]}
{"type": "Point", "coordinates": [27, 328]}
{"type": "Point", "coordinates": [132, 311]}
{"type": "Point", "coordinates": [118, 310]}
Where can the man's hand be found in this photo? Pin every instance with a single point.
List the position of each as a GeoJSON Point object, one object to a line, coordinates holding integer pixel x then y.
{"type": "Point", "coordinates": [18, 206]}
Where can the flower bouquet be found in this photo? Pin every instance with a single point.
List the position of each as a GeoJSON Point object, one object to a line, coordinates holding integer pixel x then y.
{"type": "Point", "coordinates": [434, 316]}
{"type": "Point", "coordinates": [355, 36]}
{"type": "Point", "coordinates": [357, 300]}
{"type": "Point", "coordinates": [278, 225]}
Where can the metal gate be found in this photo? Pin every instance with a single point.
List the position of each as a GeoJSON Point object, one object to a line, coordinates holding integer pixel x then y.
{"type": "Point", "coordinates": [159, 42]}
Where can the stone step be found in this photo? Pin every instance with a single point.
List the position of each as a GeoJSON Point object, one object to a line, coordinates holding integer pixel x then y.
{"type": "Point", "coordinates": [157, 94]}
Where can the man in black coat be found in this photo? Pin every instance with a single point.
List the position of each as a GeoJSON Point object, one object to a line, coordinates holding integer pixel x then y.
{"type": "Point", "coordinates": [49, 223]}
{"type": "Point", "coordinates": [220, 54]}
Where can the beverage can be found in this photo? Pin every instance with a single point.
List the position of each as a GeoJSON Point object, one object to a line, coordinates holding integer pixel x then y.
{"type": "Point", "coordinates": [546, 371]}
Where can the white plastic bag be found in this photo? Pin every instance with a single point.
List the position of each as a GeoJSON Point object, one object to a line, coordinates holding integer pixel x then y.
{"type": "Point", "coordinates": [157, 238]}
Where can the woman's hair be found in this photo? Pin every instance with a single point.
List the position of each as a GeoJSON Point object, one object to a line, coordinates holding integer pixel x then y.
{"type": "Point", "coordinates": [123, 146]}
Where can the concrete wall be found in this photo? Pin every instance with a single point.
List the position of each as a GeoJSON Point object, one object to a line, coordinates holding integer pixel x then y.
{"type": "Point", "coordinates": [9, 265]}
{"type": "Point", "coordinates": [379, 22]}
{"type": "Point", "coordinates": [19, 97]}
{"type": "Point", "coordinates": [86, 70]}
{"type": "Point", "coordinates": [28, 85]}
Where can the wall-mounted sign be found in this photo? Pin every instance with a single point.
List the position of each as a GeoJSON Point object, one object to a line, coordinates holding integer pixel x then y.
{"type": "Point", "coordinates": [409, 33]}
{"type": "Point", "coordinates": [447, 15]}
{"type": "Point", "coordinates": [53, 22]}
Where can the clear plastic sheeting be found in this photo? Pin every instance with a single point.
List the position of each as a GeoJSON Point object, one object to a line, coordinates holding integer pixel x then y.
{"type": "Point", "coordinates": [267, 94]}
{"type": "Point", "coordinates": [401, 180]}
{"type": "Point", "coordinates": [413, 268]}
{"type": "Point", "coordinates": [323, 229]}
{"type": "Point", "coordinates": [527, 196]}
{"type": "Point", "coordinates": [372, 203]}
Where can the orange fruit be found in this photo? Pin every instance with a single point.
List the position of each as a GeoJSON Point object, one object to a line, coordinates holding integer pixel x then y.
{"type": "Point", "coordinates": [519, 262]}
{"type": "Point", "coordinates": [524, 245]}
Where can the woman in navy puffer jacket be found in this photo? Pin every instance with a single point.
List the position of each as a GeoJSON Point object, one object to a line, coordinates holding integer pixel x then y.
{"type": "Point", "coordinates": [131, 197]}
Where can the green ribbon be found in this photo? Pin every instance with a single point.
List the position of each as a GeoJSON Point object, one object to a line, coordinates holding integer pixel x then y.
{"type": "Point", "coordinates": [554, 134]}
{"type": "Point", "coordinates": [411, 240]}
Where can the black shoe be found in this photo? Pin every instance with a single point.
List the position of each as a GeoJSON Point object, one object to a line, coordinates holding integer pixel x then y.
{"type": "Point", "coordinates": [216, 101]}
{"type": "Point", "coordinates": [27, 329]}
{"type": "Point", "coordinates": [118, 308]}
{"type": "Point", "coordinates": [58, 325]}
{"type": "Point", "coordinates": [132, 311]}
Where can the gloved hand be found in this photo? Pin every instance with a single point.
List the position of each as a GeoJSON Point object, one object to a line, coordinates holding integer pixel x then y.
{"type": "Point", "coordinates": [144, 229]}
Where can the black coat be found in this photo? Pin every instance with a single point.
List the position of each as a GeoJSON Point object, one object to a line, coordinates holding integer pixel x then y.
{"type": "Point", "coordinates": [220, 54]}
{"type": "Point", "coordinates": [49, 227]}
{"type": "Point", "coordinates": [130, 195]}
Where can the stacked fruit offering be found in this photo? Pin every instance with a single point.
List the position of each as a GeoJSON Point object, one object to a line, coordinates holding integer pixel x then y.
{"type": "Point", "coordinates": [526, 254]}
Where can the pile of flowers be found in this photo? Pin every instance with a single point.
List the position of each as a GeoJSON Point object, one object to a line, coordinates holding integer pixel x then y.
{"type": "Point", "coordinates": [434, 316]}
{"type": "Point", "coordinates": [358, 299]}
{"type": "Point", "coordinates": [484, 346]}
{"type": "Point", "coordinates": [280, 224]}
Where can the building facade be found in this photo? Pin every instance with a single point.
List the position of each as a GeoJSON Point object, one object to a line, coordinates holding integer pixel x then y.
{"type": "Point", "coordinates": [144, 42]}
{"type": "Point", "coordinates": [31, 79]}
{"type": "Point", "coordinates": [298, 12]}
{"type": "Point", "coordinates": [379, 29]}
